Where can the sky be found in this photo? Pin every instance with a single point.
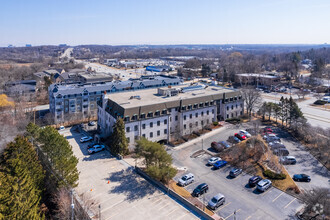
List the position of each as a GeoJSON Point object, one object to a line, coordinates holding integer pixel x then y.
{"type": "Point", "coordinates": [129, 22]}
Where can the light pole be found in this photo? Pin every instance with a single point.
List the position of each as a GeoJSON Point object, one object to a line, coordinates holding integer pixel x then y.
{"type": "Point", "coordinates": [202, 144]}
{"type": "Point", "coordinates": [72, 206]}
{"type": "Point", "coordinates": [100, 212]}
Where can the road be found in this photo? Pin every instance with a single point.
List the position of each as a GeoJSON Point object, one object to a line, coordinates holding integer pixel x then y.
{"type": "Point", "coordinates": [247, 202]}
{"type": "Point", "coordinates": [67, 53]}
{"type": "Point", "coordinates": [314, 115]}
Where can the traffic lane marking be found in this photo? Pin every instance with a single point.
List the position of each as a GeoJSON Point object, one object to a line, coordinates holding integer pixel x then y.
{"type": "Point", "coordinates": [232, 213]}
{"type": "Point", "coordinates": [264, 193]}
{"type": "Point", "coordinates": [278, 196]}
{"type": "Point", "coordinates": [290, 203]}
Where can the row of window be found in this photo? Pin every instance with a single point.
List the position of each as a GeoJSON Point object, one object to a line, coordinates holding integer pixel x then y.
{"type": "Point", "coordinates": [151, 135]}
{"type": "Point", "coordinates": [232, 107]}
{"type": "Point", "coordinates": [143, 115]}
{"type": "Point", "coordinates": [136, 128]}
{"type": "Point", "coordinates": [196, 123]}
{"type": "Point", "coordinates": [236, 114]}
{"type": "Point", "coordinates": [196, 114]}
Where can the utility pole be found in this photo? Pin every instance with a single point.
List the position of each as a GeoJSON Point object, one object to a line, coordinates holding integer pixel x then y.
{"type": "Point", "coordinates": [100, 212]}
{"type": "Point", "coordinates": [72, 206]}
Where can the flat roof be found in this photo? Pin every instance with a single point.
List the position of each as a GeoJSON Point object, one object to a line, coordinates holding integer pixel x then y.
{"type": "Point", "coordinates": [98, 75]}
{"type": "Point", "coordinates": [150, 96]}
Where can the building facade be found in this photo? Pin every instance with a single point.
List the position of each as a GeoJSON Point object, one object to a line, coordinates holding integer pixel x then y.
{"type": "Point", "coordinates": [160, 116]}
{"type": "Point", "coordinates": [69, 101]}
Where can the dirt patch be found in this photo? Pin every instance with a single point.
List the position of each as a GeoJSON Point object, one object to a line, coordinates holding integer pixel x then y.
{"type": "Point", "coordinates": [197, 153]}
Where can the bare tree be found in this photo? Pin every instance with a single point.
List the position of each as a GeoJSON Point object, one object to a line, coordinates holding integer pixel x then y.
{"type": "Point", "coordinates": [317, 203]}
{"type": "Point", "coordinates": [252, 98]}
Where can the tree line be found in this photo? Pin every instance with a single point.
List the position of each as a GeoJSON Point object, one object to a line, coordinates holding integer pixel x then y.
{"type": "Point", "coordinates": [33, 170]}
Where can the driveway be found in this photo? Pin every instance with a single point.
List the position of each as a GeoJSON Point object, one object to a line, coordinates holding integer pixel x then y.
{"type": "Point", "coordinates": [121, 193]}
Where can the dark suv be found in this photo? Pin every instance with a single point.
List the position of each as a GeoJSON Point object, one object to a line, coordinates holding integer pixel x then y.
{"type": "Point", "coordinates": [200, 190]}
{"type": "Point", "coordinates": [254, 180]}
{"type": "Point", "coordinates": [235, 172]}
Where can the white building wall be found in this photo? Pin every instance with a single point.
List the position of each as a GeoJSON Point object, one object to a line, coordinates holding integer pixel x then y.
{"type": "Point", "coordinates": [233, 109]}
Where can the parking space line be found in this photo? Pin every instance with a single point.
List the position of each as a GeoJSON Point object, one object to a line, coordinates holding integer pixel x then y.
{"type": "Point", "coordinates": [224, 206]}
{"type": "Point", "coordinates": [290, 203]}
{"type": "Point", "coordinates": [278, 196]}
{"type": "Point", "coordinates": [165, 206]}
{"type": "Point", "coordinates": [264, 193]}
{"type": "Point", "coordinates": [248, 217]}
{"type": "Point", "coordinates": [233, 213]}
{"type": "Point", "coordinates": [173, 211]}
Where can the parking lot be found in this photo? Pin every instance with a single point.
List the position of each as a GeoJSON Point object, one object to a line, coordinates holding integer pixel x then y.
{"type": "Point", "coordinates": [246, 202]}
{"type": "Point", "coordinates": [121, 193]}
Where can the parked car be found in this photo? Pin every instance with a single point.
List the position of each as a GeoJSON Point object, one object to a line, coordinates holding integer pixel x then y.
{"type": "Point", "coordinates": [243, 132]}
{"type": "Point", "coordinates": [96, 148]}
{"type": "Point", "coordinates": [85, 139]}
{"type": "Point", "coordinates": [267, 91]}
{"type": "Point", "coordinates": [253, 181]}
{"type": "Point", "coordinates": [200, 190]}
{"type": "Point", "coordinates": [216, 201]}
{"type": "Point", "coordinates": [263, 185]}
{"type": "Point", "coordinates": [186, 179]}
{"type": "Point", "coordinates": [268, 130]}
{"type": "Point", "coordinates": [281, 152]}
{"type": "Point", "coordinates": [301, 178]}
{"type": "Point", "coordinates": [90, 145]}
{"type": "Point", "coordinates": [217, 146]}
{"type": "Point", "coordinates": [276, 144]}
{"type": "Point", "coordinates": [225, 144]}
{"type": "Point", "coordinates": [233, 139]}
{"type": "Point", "coordinates": [272, 137]}
{"type": "Point", "coordinates": [213, 160]}
{"type": "Point", "coordinates": [288, 160]}
{"type": "Point", "coordinates": [235, 172]}
{"type": "Point", "coordinates": [240, 136]}
{"type": "Point", "coordinates": [61, 128]}
{"type": "Point", "coordinates": [219, 164]}
{"type": "Point", "coordinates": [91, 123]}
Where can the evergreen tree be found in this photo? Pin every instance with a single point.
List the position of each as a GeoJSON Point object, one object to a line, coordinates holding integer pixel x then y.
{"type": "Point", "coordinates": [21, 182]}
{"type": "Point", "coordinates": [118, 141]}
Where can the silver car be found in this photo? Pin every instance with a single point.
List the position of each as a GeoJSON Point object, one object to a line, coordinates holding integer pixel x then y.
{"type": "Point", "coordinates": [186, 179]}
{"type": "Point", "coordinates": [263, 185]}
{"type": "Point", "coordinates": [216, 201]}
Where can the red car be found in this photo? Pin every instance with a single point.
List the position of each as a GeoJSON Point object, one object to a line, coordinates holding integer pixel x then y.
{"type": "Point", "coordinates": [268, 130]}
{"type": "Point", "coordinates": [240, 136]}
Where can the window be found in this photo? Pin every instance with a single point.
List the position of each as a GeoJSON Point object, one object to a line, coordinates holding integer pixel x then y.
{"type": "Point", "coordinates": [183, 108]}
{"type": "Point", "coordinates": [165, 131]}
{"type": "Point", "coordinates": [227, 116]}
{"type": "Point", "coordinates": [212, 111]}
{"type": "Point", "coordinates": [202, 113]}
{"type": "Point", "coordinates": [144, 135]}
{"type": "Point", "coordinates": [202, 122]}
{"type": "Point", "coordinates": [196, 114]}
{"type": "Point", "coordinates": [207, 121]}
{"type": "Point", "coordinates": [176, 118]}
{"type": "Point", "coordinates": [184, 126]}
{"type": "Point", "coordinates": [143, 126]}
{"type": "Point", "coordinates": [232, 107]}
{"type": "Point", "coordinates": [151, 124]}
{"type": "Point", "coordinates": [227, 108]}
{"type": "Point", "coordinates": [164, 112]}
{"type": "Point", "coordinates": [142, 116]}
{"type": "Point", "coordinates": [157, 113]}
{"type": "Point", "coordinates": [150, 115]}
{"type": "Point", "coordinates": [236, 114]}
{"type": "Point", "coordinates": [158, 123]}
{"type": "Point", "coordinates": [165, 121]}
{"type": "Point", "coordinates": [135, 128]}
{"type": "Point", "coordinates": [207, 112]}
{"type": "Point", "coordinates": [236, 106]}
{"type": "Point", "coordinates": [200, 105]}
{"type": "Point", "coordinates": [158, 133]}
{"type": "Point", "coordinates": [195, 105]}
{"type": "Point", "coordinates": [241, 112]}
{"type": "Point", "coordinates": [151, 134]}
{"type": "Point", "coordinates": [189, 107]}
{"type": "Point", "coordinates": [126, 119]}
{"type": "Point", "coordinates": [184, 117]}
{"type": "Point", "coordinates": [128, 129]}
{"type": "Point", "coordinates": [169, 110]}
{"type": "Point", "coordinates": [190, 116]}
{"type": "Point", "coordinates": [196, 123]}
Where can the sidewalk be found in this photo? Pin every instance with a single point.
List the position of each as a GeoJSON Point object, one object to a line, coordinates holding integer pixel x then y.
{"type": "Point", "coordinates": [199, 139]}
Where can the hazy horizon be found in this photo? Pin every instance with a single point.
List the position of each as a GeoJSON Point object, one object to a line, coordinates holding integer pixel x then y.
{"type": "Point", "coordinates": [146, 22]}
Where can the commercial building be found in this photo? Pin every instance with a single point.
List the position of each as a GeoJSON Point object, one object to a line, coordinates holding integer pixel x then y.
{"type": "Point", "coordinates": [162, 114]}
{"type": "Point", "coordinates": [79, 100]}
{"type": "Point", "coordinates": [21, 88]}
{"type": "Point", "coordinates": [264, 79]}
{"type": "Point", "coordinates": [162, 68]}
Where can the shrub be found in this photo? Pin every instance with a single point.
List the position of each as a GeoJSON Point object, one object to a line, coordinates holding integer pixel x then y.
{"type": "Point", "coordinates": [233, 120]}
{"type": "Point", "coordinates": [215, 123]}
{"type": "Point", "coordinates": [275, 176]}
{"type": "Point", "coordinates": [320, 102]}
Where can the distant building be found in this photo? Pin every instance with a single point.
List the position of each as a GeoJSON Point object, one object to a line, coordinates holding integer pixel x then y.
{"type": "Point", "coordinates": [21, 88]}
{"type": "Point", "coordinates": [163, 114]}
{"type": "Point", "coordinates": [265, 79]}
{"type": "Point", "coordinates": [93, 77]}
{"type": "Point", "coordinates": [159, 68]}
{"type": "Point", "coordinates": [78, 99]}
{"type": "Point", "coordinates": [111, 62]}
